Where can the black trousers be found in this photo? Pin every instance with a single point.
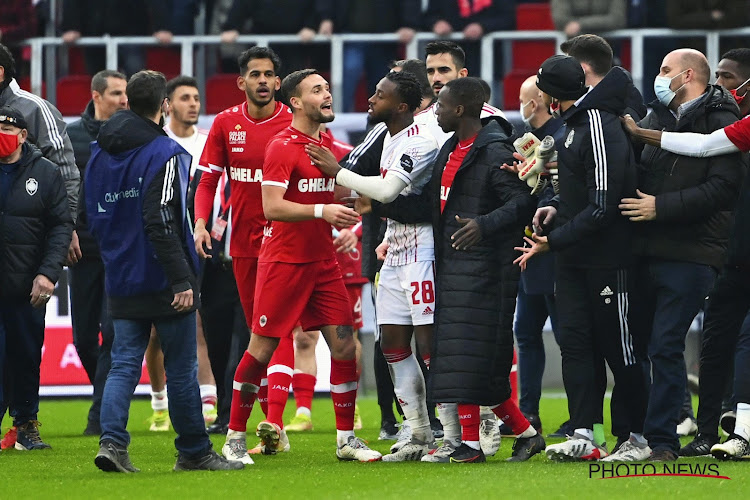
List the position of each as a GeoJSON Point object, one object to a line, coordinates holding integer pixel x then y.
{"type": "Point", "coordinates": [21, 340]}
{"type": "Point", "coordinates": [728, 306]}
{"type": "Point", "coordinates": [592, 307]}
{"type": "Point", "coordinates": [225, 329]}
{"type": "Point", "coordinates": [89, 314]}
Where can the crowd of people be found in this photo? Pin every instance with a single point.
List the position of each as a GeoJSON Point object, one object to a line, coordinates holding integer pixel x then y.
{"type": "Point", "coordinates": [182, 243]}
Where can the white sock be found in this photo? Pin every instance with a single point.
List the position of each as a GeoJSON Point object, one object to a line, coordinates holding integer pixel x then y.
{"type": "Point", "coordinates": [408, 384]}
{"type": "Point", "coordinates": [343, 436]}
{"type": "Point", "coordinates": [208, 391]}
{"type": "Point", "coordinates": [448, 415]}
{"type": "Point", "coordinates": [742, 424]}
{"type": "Point", "coordinates": [530, 431]}
{"type": "Point", "coordinates": [587, 433]}
{"type": "Point", "coordinates": [472, 444]}
{"type": "Point", "coordinates": [159, 400]}
{"type": "Point", "coordinates": [235, 434]}
{"type": "Point", "coordinates": [304, 411]}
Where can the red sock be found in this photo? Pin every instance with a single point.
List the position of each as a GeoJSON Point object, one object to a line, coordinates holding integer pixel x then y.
{"type": "Point", "coordinates": [344, 392]}
{"type": "Point", "coordinates": [509, 413]}
{"type": "Point", "coordinates": [247, 376]}
{"type": "Point", "coordinates": [514, 379]}
{"type": "Point", "coordinates": [426, 360]}
{"type": "Point", "coordinates": [280, 371]}
{"type": "Point", "coordinates": [304, 389]}
{"type": "Point", "coordinates": [468, 416]}
{"type": "Point", "coordinates": [263, 394]}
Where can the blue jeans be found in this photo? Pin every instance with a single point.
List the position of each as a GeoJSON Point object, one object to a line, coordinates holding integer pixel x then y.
{"type": "Point", "coordinates": [531, 314]}
{"type": "Point", "coordinates": [680, 289]}
{"type": "Point", "coordinates": [177, 336]}
{"type": "Point", "coordinates": [21, 340]}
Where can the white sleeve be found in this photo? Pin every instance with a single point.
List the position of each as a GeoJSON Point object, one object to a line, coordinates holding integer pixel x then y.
{"type": "Point", "coordinates": [383, 189]}
{"type": "Point", "coordinates": [690, 144]}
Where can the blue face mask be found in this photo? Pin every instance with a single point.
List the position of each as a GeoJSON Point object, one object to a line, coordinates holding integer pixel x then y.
{"type": "Point", "coordinates": [662, 88]}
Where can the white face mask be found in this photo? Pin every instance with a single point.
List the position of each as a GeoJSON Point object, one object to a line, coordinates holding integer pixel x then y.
{"type": "Point", "coordinates": [662, 88]}
{"type": "Point", "coordinates": [526, 120]}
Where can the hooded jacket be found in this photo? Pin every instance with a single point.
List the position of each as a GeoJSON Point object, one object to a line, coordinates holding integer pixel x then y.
{"type": "Point", "coordinates": [476, 289]}
{"type": "Point", "coordinates": [136, 187]}
{"type": "Point", "coordinates": [596, 169]}
{"type": "Point", "coordinates": [82, 133]}
{"type": "Point", "coordinates": [35, 225]}
{"type": "Point", "coordinates": [694, 196]}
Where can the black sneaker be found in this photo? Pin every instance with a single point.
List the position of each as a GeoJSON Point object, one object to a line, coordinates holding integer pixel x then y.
{"type": "Point", "coordinates": [727, 421]}
{"type": "Point", "coordinates": [466, 454]}
{"type": "Point", "coordinates": [114, 458]}
{"type": "Point", "coordinates": [209, 461]}
{"type": "Point", "coordinates": [525, 448]}
{"type": "Point", "coordinates": [662, 455]}
{"type": "Point", "coordinates": [28, 437]}
{"type": "Point", "coordinates": [535, 421]}
{"type": "Point", "coordinates": [437, 429]}
{"type": "Point", "coordinates": [566, 429]}
{"type": "Point", "coordinates": [217, 428]}
{"type": "Point", "coordinates": [505, 430]}
{"type": "Point", "coordinates": [700, 446]}
{"type": "Point", "coordinates": [388, 431]}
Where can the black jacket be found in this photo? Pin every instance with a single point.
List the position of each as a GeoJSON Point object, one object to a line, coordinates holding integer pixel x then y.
{"type": "Point", "coordinates": [596, 167]}
{"type": "Point", "coordinates": [122, 133]}
{"type": "Point", "coordinates": [499, 15]}
{"type": "Point", "coordinates": [694, 196]}
{"type": "Point", "coordinates": [371, 16]}
{"type": "Point", "coordinates": [476, 289]}
{"type": "Point", "coordinates": [82, 133]}
{"type": "Point", "coordinates": [272, 17]}
{"type": "Point", "coordinates": [114, 17]}
{"type": "Point", "coordinates": [35, 225]}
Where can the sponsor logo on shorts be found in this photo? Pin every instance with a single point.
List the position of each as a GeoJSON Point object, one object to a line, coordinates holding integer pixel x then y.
{"type": "Point", "coordinates": [427, 311]}
{"type": "Point", "coordinates": [262, 320]}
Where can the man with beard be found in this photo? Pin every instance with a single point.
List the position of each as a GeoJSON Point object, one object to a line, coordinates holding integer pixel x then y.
{"type": "Point", "coordinates": [406, 297]}
{"type": "Point", "coordinates": [297, 249]}
{"type": "Point", "coordinates": [238, 140]}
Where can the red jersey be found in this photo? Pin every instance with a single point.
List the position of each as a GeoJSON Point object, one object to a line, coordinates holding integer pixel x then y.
{"type": "Point", "coordinates": [739, 133]}
{"type": "Point", "coordinates": [288, 166]}
{"type": "Point", "coordinates": [239, 142]}
{"type": "Point", "coordinates": [451, 167]}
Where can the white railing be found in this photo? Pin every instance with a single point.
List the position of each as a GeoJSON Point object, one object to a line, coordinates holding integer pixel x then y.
{"type": "Point", "coordinates": [189, 44]}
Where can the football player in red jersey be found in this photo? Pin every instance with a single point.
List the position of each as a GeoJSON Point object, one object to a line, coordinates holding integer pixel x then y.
{"type": "Point", "coordinates": [298, 201]}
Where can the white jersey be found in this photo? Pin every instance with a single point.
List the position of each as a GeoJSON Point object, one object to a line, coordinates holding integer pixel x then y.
{"type": "Point", "coordinates": [428, 118]}
{"type": "Point", "coordinates": [193, 144]}
{"type": "Point", "coordinates": [410, 155]}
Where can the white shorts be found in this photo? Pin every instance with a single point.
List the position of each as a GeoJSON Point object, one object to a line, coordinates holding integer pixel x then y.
{"type": "Point", "coordinates": [406, 294]}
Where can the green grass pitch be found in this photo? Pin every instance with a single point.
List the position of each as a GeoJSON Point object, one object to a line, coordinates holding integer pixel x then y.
{"type": "Point", "coordinates": [310, 470]}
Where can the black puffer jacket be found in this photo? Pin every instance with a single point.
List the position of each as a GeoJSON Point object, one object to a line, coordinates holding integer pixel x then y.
{"type": "Point", "coordinates": [82, 133]}
{"type": "Point", "coordinates": [35, 225]}
{"type": "Point", "coordinates": [596, 167]}
{"type": "Point", "coordinates": [476, 290]}
{"type": "Point", "coordinates": [694, 196]}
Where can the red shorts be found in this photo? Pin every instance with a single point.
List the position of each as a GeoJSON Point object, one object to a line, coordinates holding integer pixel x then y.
{"type": "Point", "coordinates": [245, 273]}
{"type": "Point", "coordinates": [355, 299]}
{"type": "Point", "coordinates": [311, 294]}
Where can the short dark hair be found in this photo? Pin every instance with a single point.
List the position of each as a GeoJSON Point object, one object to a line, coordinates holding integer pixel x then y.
{"type": "Point", "coordinates": [180, 81]}
{"type": "Point", "coordinates": [487, 90]}
{"type": "Point", "coordinates": [469, 93]}
{"type": "Point", "coordinates": [7, 62]}
{"type": "Point", "coordinates": [418, 68]}
{"type": "Point", "coordinates": [290, 84]}
{"type": "Point", "coordinates": [447, 47]}
{"type": "Point", "coordinates": [408, 88]}
{"type": "Point", "coordinates": [99, 81]}
{"type": "Point", "coordinates": [742, 57]}
{"type": "Point", "coordinates": [258, 52]}
{"type": "Point", "coordinates": [592, 50]}
{"type": "Point", "coordinates": [146, 91]}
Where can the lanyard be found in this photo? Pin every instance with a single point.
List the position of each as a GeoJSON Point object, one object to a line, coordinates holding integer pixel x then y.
{"type": "Point", "coordinates": [224, 199]}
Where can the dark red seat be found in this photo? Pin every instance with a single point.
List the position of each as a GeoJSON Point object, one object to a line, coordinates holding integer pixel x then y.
{"type": "Point", "coordinates": [221, 93]}
{"type": "Point", "coordinates": [73, 93]}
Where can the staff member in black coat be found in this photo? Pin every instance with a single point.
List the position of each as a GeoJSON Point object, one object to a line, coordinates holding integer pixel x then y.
{"type": "Point", "coordinates": [35, 231]}
{"type": "Point", "coordinates": [478, 212]}
{"type": "Point", "coordinates": [592, 240]}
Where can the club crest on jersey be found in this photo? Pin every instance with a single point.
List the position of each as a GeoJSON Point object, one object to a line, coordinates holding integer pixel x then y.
{"type": "Point", "coordinates": [406, 163]}
{"type": "Point", "coordinates": [31, 186]}
{"type": "Point", "coordinates": [262, 320]}
{"type": "Point", "coordinates": [569, 139]}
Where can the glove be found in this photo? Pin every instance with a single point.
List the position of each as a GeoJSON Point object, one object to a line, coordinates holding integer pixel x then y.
{"type": "Point", "coordinates": [537, 155]}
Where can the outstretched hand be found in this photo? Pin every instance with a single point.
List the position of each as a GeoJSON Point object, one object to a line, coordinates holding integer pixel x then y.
{"type": "Point", "coordinates": [537, 244]}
